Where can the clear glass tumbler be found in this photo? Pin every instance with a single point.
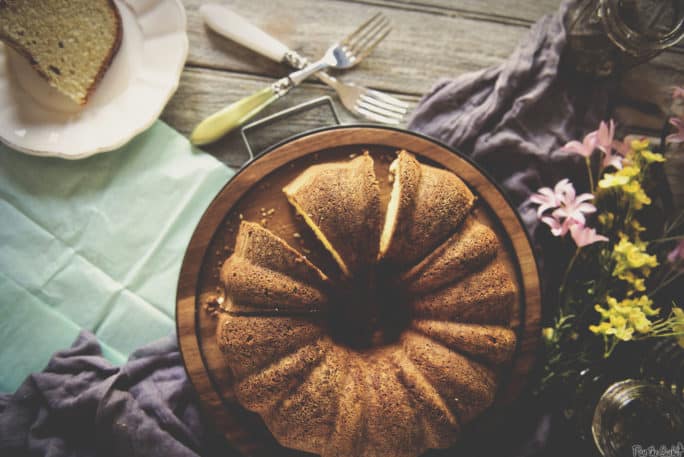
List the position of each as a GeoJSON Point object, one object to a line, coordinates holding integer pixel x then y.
{"type": "Point", "coordinates": [633, 416]}
{"type": "Point", "coordinates": [607, 37]}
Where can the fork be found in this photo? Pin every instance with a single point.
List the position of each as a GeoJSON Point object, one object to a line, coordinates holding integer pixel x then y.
{"type": "Point", "coordinates": [342, 55]}
{"type": "Point", "coordinates": [370, 104]}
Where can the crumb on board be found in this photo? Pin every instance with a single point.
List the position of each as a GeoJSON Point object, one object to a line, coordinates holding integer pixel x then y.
{"type": "Point", "coordinates": [297, 235]}
{"type": "Point", "coordinates": [213, 305]}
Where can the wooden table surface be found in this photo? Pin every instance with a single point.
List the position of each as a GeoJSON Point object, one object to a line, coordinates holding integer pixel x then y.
{"type": "Point", "coordinates": [431, 39]}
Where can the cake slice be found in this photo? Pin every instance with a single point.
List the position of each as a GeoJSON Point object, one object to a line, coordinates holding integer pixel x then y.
{"type": "Point", "coordinates": [266, 274]}
{"type": "Point", "coordinates": [405, 176]}
{"type": "Point", "coordinates": [422, 216]}
{"type": "Point", "coordinates": [340, 202]}
{"type": "Point", "coordinates": [71, 43]}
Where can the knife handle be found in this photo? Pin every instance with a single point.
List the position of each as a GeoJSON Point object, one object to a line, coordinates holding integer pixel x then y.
{"type": "Point", "coordinates": [233, 116]}
{"type": "Point", "coordinates": [224, 21]}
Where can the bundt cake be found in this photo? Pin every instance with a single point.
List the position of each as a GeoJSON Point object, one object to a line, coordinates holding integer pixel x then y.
{"type": "Point", "coordinates": [396, 365]}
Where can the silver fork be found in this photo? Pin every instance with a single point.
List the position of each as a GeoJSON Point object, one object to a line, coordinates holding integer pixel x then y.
{"type": "Point", "coordinates": [370, 104]}
{"type": "Point", "coordinates": [342, 55]}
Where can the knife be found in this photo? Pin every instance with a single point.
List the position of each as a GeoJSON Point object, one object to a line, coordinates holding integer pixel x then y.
{"type": "Point", "coordinates": [231, 25]}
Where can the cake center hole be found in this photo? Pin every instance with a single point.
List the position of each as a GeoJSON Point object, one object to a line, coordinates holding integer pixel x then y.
{"type": "Point", "coordinates": [369, 312]}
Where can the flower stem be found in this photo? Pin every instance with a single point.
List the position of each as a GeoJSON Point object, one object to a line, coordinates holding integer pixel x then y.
{"type": "Point", "coordinates": [674, 223]}
{"type": "Point", "coordinates": [664, 284]}
{"type": "Point", "coordinates": [669, 238]}
{"type": "Point", "coordinates": [591, 175]}
{"type": "Point", "coordinates": [566, 275]}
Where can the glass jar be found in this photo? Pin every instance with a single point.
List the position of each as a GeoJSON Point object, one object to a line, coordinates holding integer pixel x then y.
{"type": "Point", "coordinates": [607, 37]}
{"type": "Point", "coordinates": [633, 416]}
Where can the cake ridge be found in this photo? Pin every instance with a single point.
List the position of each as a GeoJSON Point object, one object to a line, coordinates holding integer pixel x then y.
{"type": "Point", "coordinates": [484, 296]}
{"type": "Point", "coordinates": [438, 331]}
{"type": "Point", "coordinates": [337, 432]}
{"type": "Point", "coordinates": [452, 417]}
{"type": "Point", "coordinates": [450, 261]}
{"type": "Point", "coordinates": [304, 366]}
{"type": "Point", "coordinates": [296, 408]}
{"type": "Point", "coordinates": [468, 394]}
{"type": "Point", "coordinates": [305, 331]}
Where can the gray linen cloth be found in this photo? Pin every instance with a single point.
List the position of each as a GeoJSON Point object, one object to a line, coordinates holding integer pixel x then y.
{"type": "Point", "coordinates": [82, 406]}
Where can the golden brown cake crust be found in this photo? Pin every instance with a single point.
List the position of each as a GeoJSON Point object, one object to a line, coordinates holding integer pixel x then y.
{"type": "Point", "coordinates": [484, 297]}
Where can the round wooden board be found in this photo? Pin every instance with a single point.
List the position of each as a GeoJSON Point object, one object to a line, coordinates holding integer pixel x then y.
{"type": "Point", "coordinates": [255, 194]}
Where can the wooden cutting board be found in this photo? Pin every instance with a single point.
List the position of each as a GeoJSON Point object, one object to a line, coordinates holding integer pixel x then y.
{"type": "Point", "coordinates": [255, 194]}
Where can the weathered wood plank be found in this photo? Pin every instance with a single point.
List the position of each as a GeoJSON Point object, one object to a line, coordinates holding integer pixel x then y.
{"type": "Point", "coordinates": [202, 92]}
{"type": "Point", "coordinates": [422, 47]}
{"type": "Point", "coordinates": [507, 11]}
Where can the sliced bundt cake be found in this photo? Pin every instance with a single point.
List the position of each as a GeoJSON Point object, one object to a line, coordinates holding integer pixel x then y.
{"type": "Point", "coordinates": [401, 395]}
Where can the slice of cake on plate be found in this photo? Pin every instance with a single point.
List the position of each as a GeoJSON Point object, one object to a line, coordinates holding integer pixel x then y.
{"type": "Point", "coordinates": [70, 43]}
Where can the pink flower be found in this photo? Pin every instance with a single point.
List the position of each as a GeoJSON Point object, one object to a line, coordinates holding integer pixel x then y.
{"type": "Point", "coordinates": [677, 92]}
{"type": "Point", "coordinates": [677, 253]}
{"type": "Point", "coordinates": [574, 207]}
{"type": "Point", "coordinates": [604, 136]}
{"type": "Point", "coordinates": [569, 209]}
{"type": "Point", "coordinates": [547, 198]}
{"type": "Point", "coordinates": [558, 228]}
{"type": "Point", "coordinates": [584, 236]}
{"type": "Point", "coordinates": [585, 148]}
{"type": "Point", "coordinates": [677, 137]}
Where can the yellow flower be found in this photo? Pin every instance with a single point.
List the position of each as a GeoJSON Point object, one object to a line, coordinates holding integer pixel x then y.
{"type": "Point", "coordinates": [548, 334]}
{"type": "Point", "coordinates": [621, 319]}
{"type": "Point", "coordinates": [629, 171]}
{"type": "Point", "coordinates": [636, 225]}
{"type": "Point", "coordinates": [639, 197]}
{"type": "Point", "coordinates": [632, 262]}
{"type": "Point", "coordinates": [638, 145]}
{"type": "Point", "coordinates": [650, 156]}
{"type": "Point", "coordinates": [612, 180]}
{"type": "Point", "coordinates": [600, 329]}
{"type": "Point", "coordinates": [606, 219]}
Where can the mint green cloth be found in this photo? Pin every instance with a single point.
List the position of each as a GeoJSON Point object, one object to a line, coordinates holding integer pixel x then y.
{"type": "Point", "coordinates": [96, 244]}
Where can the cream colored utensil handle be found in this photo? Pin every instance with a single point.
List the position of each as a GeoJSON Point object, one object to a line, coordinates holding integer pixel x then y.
{"type": "Point", "coordinates": [232, 116]}
{"type": "Point", "coordinates": [226, 22]}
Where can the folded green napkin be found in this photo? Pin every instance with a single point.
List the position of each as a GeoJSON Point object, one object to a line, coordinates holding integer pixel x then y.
{"type": "Point", "coordinates": [96, 244]}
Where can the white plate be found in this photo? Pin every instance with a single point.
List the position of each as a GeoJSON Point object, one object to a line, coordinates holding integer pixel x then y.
{"type": "Point", "coordinates": [37, 119]}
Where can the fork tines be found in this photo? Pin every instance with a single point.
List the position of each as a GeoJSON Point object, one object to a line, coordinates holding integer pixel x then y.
{"type": "Point", "coordinates": [367, 36]}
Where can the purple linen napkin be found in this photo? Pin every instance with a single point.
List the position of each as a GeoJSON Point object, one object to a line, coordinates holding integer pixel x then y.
{"type": "Point", "coordinates": [81, 405]}
{"type": "Point", "coordinates": [513, 118]}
